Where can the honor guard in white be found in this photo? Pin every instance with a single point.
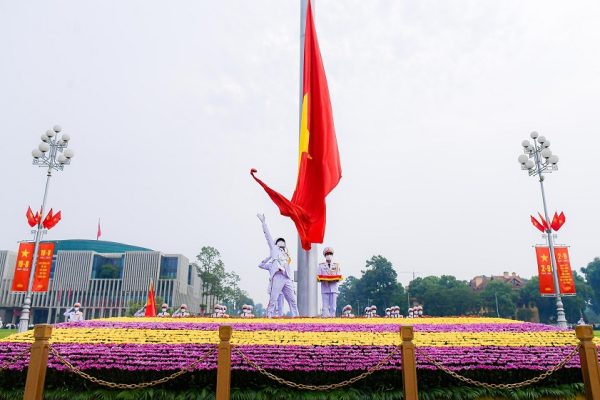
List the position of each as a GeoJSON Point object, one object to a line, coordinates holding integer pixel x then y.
{"type": "Point", "coordinates": [164, 312]}
{"type": "Point", "coordinates": [329, 275]}
{"type": "Point", "coordinates": [74, 314]}
{"type": "Point", "coordinates": [141, 312]}
{"type": "Point", "coordinates": [182, 311]}
{"type": "Point", "coordinates": [347, 311]}
{"type": "Point", "coordinates": [280, 274]}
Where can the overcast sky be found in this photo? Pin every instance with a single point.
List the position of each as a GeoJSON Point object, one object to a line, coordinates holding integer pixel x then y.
{"type": "Point", "coordinates": [169, 105]}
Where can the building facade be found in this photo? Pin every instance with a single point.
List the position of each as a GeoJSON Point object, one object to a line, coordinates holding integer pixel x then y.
{"type": "Point", "coordinates": [479, 282]}
{"type": "Point", "coordinates": [105, 277]}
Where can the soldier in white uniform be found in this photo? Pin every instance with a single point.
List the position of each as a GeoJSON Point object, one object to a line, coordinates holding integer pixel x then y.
{"type": "Point", "coordinates": [280, 274]}
{"type": "Point", "coordinates": [74, 314]}
{"type": "Point", "coordinates": [164, 312]}
{"type": "Point", "coordinates": [182, 312]}
{"type": "Point", "coordinates": [279, 306]}
{"type": "Point", "coordinates": [329, 288]}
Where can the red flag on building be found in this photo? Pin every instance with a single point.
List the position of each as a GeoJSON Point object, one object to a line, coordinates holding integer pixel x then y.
{"type": "Point", "coordinates": [150, 302]}
{"type": "Point", "coordinates": [99, 233]}
{"type": "Point", "coordinates": [319, 161]}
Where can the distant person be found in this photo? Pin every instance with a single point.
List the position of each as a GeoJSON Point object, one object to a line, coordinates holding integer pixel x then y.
{"type": "Point", "coordinates": [329, 276]}
{"type": "Point", "coordinates": [182, 311]}
{"type": "Point", "coordinates": [278, 265]}
{"type": "Point", "coordinates": [141, 312]}
{"type": "Point", "coordinates": [165, 311]}
{"type": "Point", "coordinates": [74, 314]}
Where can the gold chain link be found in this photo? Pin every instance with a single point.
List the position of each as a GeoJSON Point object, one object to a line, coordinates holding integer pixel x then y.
{"type": "Point", "coordinates": [319, 387]}
{"type": "Point", "coordinates": [114, 385]}
{"type": "Point", "coordinates": [15, 358]}
{"type": "Point", "coordinates": [473, 382]}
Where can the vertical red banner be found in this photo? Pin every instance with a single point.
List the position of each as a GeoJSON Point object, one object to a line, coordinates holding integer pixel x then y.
{"type": "Point", "coordinates": [22, 267]}
{"type": "Point", "coordinates": [565, 275]}
{"type": "Point", "coordinates": [41, 276]}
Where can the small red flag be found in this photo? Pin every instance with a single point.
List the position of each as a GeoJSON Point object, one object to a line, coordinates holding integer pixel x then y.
{"type": "Point", "coordinates": [555, 225]}
{"type": "Point", "coordinates": [31, 220]}
{"type": "Point", "coordinates": [53, 221]}
{"type": "Point", "coordinates": [150, 302]}
{"type": "Point", "coordinates": [537, 224]}
{"type": "Point", "coordinates": [561, 219]}
{"type": "Point", "coordinates": [99, 233]}
{"type": "Point", "coordinates": [544, 223]}
{"type": "Point", "coordinates": [47, 220]}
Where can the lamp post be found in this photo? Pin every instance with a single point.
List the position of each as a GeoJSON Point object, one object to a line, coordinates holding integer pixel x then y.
{"type": "Point", "coordinates": [537, 161]}
{"type": "Point", "coordinates": [52, 154]}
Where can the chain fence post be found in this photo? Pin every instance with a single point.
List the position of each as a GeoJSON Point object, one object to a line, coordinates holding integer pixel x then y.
{"type": "Point", "coordinates": [588, 357]}
{"type": "Point", "coordinates": [224, 364]}
{"type": "Point", "coordinates": [409, 364]}
{"type": "Point", "coordinates": [38, 361]}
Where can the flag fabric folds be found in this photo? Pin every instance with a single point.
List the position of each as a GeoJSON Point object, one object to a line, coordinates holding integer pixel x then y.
{"type": "Point", "coordinates": [537, 224]}
{"type": "Point", "coordinates": [150, 302]}
{"type": "Point", "coordinates": [319, 169]}
{"type": "Point", "coordinates": [31, 219]}
{"type": "Point", "coordinates": [99, 233]}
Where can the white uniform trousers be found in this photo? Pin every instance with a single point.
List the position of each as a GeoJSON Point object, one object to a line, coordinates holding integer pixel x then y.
{"type": "Point", "coordinates": [329, 304]}
{"type": "Point", "coordinates": [282, 285]}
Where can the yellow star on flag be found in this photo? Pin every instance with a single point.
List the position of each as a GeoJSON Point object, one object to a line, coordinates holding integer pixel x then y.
{"type": "Point", "coordinates": [25, 254]}
{"type": "Point", "coordinates": [544, 257]}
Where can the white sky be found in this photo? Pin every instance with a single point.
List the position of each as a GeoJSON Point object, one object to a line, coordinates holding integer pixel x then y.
{"type": "Point", "coordinates": [170, 104]}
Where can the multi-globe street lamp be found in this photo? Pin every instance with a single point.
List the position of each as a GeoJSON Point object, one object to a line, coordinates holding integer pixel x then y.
{"type": "Point", "coordinates": [52, 153]}
{"type": "Point", "coordinates": [538, 160]}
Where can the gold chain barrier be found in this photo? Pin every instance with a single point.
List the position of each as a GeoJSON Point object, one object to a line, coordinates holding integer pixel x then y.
{"type": "Point", "coordinates": [515, 385]}
{"type": "Point", "coordinates": [302, 386]}
{"type": "Point", "coordinates": [114, 385]}
{"type": "Point", "coordinates": [7, 362]}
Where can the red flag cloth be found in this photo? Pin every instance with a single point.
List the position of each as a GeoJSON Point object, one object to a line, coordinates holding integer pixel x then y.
{"type": "Point", "coordinates": [47, 220]}
{"type": "Point", "coordinates": [561, 219]}
{"type": "Point", "coordinates": [150, 302]}
{"type": "Point", "coordinates": [537, 224]}
{"type": "Point", "coordinates": [544, 223]}
{"type": "Point", "coordinates": [99, 233]}
{"type": "Point", "coordinates": [555, 225]}
{"type": "Point", "coordinates": [54, 220]}
{"type": "Point", "coordinates": [319, 161]}
{"type": "Point", "coordinates": [30, 217]}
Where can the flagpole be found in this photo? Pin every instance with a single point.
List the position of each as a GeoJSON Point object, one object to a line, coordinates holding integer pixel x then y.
{"type": "Point", "coordinates": [307, 260]}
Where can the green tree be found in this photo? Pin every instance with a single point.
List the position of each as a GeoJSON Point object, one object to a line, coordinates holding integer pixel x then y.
{"type": "Point", "coordinates": [592, 276]}
{"type": "Point", "coordinates": [500, 294]}
{"type": "Point", "coordinates": [109, 271]}
{"type": "Point", "coordinates": [211, 270]}
{"type": "Point", "coordinates": [443, 296]}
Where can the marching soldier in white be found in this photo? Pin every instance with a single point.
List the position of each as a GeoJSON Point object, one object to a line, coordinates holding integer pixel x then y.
{"type": "Point", "coordinates": [329, 286]}
{"type": "Point", "coordinates": [280, 274]}
{"type": "Point", "coordinates": [74, 314]}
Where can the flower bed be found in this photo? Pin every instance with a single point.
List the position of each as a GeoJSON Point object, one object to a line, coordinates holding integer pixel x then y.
{"type": "Point", "coordinates": [157, 344]}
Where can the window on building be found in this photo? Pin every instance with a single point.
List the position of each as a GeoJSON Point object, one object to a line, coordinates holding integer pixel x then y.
{"type": "Point", "coordinates": [168, 267]}
{"type": "Point", "coordinates": [190, 268]}
{"type": "Point", "coordinates": [107, 267]}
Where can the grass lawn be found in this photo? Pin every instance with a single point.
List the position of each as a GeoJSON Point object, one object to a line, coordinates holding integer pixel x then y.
{"type": "Point", "coordinates": [6, 332]}
{"type": "Point", "coordinates": [597, 333]}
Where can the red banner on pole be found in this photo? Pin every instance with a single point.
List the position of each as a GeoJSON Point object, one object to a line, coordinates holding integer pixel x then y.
{"type": "Point", "coordinates": [565, 276]}
{"type": "Point", "coordinates": [42, 269]}
{"type": "Point", "coordinates": [23, 267]}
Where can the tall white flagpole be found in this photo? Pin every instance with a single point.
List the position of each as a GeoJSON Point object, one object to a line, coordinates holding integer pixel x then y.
{"type": "Point", "coordinates": [307, 260]}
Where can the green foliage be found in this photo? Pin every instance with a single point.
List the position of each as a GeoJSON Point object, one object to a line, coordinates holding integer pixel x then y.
{"type": "Point", "coordinates": [109, 271]}
{"type": "Point", "coordinates": [219, 285]}
{"type": "Point", "coordinates": [574, 305]}
{"type": "Point", "coordinates": [444, 296]}
{"type": "Point", "coordinates": [6, 332]}
{"type": "Point", "coordinates": [592, 276]}
{"type": "Point", "coordinates": [506, 299]}
{"type": "Point", "coordinates": [378, 285]}
{"type": "Point", "coordinates": [134, 306]}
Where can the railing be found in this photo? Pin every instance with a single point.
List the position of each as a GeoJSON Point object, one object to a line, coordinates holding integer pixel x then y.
{"type": "Point", "coordinates": [36, 373]}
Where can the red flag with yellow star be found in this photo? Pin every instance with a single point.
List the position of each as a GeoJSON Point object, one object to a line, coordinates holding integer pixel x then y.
{"type": "Point", "coordinates": [319, 161]}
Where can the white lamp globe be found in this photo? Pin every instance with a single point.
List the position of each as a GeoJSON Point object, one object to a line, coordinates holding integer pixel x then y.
{"type": "Point", "coordinates": [68, 153]}
{"type": "Point", "coordinates": [546, 144]}
{"type": "Point", "coordinates": [65, 137]}
{"type": "Point", "coordinates": [57, 128]}
{"type": "Point", "coordinates": [44, 147]}
{"type": "Point", "coordinates": [542, 139]}
{"type": "Point", "coordinates": [546, 153]}
{"type": "Point", "coordinates": [553, 159]}
{"type": "Point", "coordinates": [62, 159]}
{"type": "Point", "coordinates": [534, 135]}
{"type": "Point", "coordinates": [44, 137]}
{"type": "Point", "coordinates": [50, 133]}
{"type": "Point", "coordinates": [525, 143]}
{"type": "Point", "coordinates": [36, 153]}
{"type": "Point", "coordinates": [523, 159]}
{"type": "Point", "coordinates": [529, 164]}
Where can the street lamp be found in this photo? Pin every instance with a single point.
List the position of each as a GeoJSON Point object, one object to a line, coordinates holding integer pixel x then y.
{"type": "Point", "coordinates": [51, 153]}
{"type": "Point", "coordinates": [538, 160]}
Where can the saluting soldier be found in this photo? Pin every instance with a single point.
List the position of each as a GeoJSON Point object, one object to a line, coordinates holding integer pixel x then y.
{"type": "Point", "coordinates": [164, 312]}
{"type": "Point", "coordinates": [329, 276]}
{"type": "Point", "coordinates": [74, 314]}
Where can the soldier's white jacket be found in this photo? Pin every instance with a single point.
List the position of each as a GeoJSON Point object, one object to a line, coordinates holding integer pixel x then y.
{"type": "Point", "coordinates": [329, 269]}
